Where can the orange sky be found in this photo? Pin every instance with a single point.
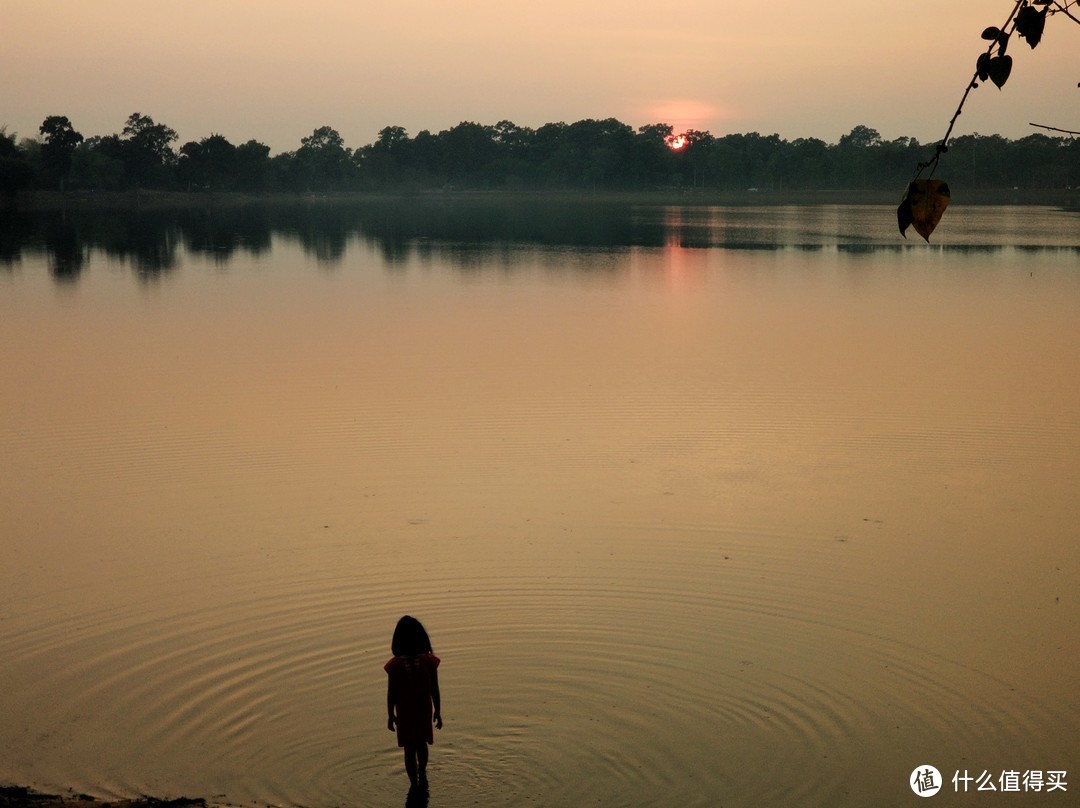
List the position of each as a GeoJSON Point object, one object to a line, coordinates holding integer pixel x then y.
{"type": "Point", "coordinates": [274, 71]}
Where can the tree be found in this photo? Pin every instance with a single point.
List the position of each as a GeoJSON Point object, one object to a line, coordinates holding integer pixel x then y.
{"type": "Point", "coordinates": [860, 137]}
{"type": "Point", "coordinates": [811, 163]}
{"type": "Point", "coordinates": [209, 164]}
{"type": "Point", "coordinates": [323, 138]}
{"type": "Point", "coordinates": [154, 138]}
{"type": "Point", "coordinates": [751, 160]}
{"type": "Point", "coordinates": [392, 138]}
{"type": "Point", "coordinates": [858, 155]}
{"type": "Point", "coordinates": [694, 155]}
{"type": "Point", "coordinates": [252, 165]}
{"type": "Point", "coordinates": [654, 162]}
{"type": "Point", "coordinates": [323, 161]}
{"type": "Point", "coordinates": [58, 146]}
{"type": "Point", "coordinates": [284, 172]}
{"type": "Point", "coordinates": [467, 151]}
{"type": "Point", "coordinates": [98, 163]}
{"type": "Point", "coordinates": [15, 171]}
{"type": "Point", "coordinates": [600, 148]}
{"type": "Point", "coordinates": [548, 154]}
{"type": "Point", "coordinates": [513, 142]}
{"type": "Point", "coordinates": [513, 138]}
{"type": "Point", "coordinates": [146, 151]}
{"type": "Point", "coordinates": [384, 161]}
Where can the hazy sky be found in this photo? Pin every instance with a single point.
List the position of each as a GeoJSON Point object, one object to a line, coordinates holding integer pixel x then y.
{"type": "Point", "coordinates": [274, 70]}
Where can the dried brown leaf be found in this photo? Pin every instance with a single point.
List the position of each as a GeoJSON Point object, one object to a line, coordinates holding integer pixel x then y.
{"type": "Point", "coordinates": [923, 206]}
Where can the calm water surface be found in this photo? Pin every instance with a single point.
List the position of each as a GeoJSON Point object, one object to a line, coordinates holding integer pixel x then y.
{"type": "Point", "coordinates": [701, 506]}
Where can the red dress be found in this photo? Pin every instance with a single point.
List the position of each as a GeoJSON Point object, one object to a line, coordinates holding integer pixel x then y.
{"type": "Point", "coordinates": [410, 687]}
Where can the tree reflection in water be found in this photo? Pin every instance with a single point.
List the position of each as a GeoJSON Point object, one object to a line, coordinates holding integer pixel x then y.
{"type": "Point", "coordinates": [469, 232]}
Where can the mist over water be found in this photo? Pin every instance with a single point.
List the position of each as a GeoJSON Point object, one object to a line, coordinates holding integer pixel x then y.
{"type": "Point", "coordinates": [741, 506]}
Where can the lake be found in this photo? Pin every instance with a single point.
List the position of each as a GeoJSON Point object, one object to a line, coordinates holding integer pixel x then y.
{"type": "Point", "coordinates": [700, 505]}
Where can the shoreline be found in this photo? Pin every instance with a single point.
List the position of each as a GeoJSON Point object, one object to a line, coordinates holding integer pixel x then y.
{"type": "Point", "coordinates": [44, 201]}
{"type": "Point", "coordinates": [24, 797]}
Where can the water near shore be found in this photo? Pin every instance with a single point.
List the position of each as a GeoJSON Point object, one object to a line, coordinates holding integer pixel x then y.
{"type": "Point", "coordinates": [740, 506]}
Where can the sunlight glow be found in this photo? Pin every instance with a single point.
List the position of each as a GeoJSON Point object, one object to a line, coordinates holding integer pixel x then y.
{"type": "Point", "coordinates": [677, 142]}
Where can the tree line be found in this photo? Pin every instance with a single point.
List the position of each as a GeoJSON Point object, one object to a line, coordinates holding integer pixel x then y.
{"type": "Point", "coordinates": [586, 155]}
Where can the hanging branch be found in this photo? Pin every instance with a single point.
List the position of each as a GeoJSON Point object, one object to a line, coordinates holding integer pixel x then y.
{"type": "Point", "coordinates": [1064, 9]}
{"type": "Point", "coordinates": [1054, 128]}
{"type": "Point", "coordinates": [1002, 67]}
{"type": "Point", "coordinates": [926, 199]}
{"type": "Point", "coordinates": [1029, 23]}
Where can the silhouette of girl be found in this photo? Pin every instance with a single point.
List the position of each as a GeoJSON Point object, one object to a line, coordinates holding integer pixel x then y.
{"type": "Point", "coordinates": [412, 691]}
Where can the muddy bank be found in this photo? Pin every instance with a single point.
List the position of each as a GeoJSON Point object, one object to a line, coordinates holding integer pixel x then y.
{"type": "Point", "coordinates": [22, 797]}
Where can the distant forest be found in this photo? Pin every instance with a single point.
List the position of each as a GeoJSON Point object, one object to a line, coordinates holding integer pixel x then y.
{"type": "Point", "coordinates": [586, 155]}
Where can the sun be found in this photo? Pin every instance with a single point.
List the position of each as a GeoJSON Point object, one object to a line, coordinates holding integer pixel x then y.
{"type": "Point", "coordinates": [677, 142]}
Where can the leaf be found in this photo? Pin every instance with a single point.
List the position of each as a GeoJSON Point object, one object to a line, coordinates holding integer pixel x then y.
{"type": "Point", "coordinates": [981, 67]}
{"type": "Point", "coordinates": [999, 68]}
{"type": "Point", "coordinates": [1030, 24]}
{"type": "Point", "coordinates": [991, 33]}
{"type": "Point", "coordinates": [904, 217]}
{"type": "Point", "coordinates": [923, 206]}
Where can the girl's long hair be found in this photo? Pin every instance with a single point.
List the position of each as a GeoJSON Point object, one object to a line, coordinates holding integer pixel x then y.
{"type": "Point", "coordinates": [410, 638]}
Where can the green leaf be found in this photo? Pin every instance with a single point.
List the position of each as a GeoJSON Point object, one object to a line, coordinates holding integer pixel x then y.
{"type": "Point", "coordinates": [999, 68]}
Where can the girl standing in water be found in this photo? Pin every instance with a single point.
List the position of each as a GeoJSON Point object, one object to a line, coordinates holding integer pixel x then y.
{"type": "Point", "coordinates": [412, 691]}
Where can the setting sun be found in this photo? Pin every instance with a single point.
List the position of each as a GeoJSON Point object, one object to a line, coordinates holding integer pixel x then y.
{"type": "Point", "coordinates": [677, 142]}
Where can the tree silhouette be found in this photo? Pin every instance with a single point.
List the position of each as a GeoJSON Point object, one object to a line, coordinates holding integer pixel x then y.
{"type": "Point", "coordinates": [146, 150]}
{"type": "Point", "coordinates": [209, 164]}
{"type": "Point", "coordinates": [15, 171]}
{"type": "Point", "coordinates": [593, 155]}
{"type": "Point", "coordinates": [58, 146]}
{"type": "Point", "coordinates": [252, 166]}
{"type": "Point", "coordinates": [323, 161]}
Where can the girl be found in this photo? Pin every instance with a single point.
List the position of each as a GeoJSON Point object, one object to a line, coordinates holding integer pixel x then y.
{"type": "Point", "coordinates": [412, 690]}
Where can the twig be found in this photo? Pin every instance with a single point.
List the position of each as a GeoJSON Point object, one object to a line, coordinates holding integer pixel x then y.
{"type": "Point", "coordinates": [1064, 9]}
{"type": "Point", "coordinates": [943, 145]}
{"type": "Point", "coordinates": [1004, 32]}
{"type": "Point", "coordinates": [1054, 128]}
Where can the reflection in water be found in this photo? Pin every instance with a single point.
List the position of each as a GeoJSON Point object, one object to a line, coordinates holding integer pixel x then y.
{"type": "Point", "coordinates": [472, 232]}
{"type": "Point", "coordinates": [222, 232]}
{"type": "Point", "coordinates": [418, 797]}
{"type": "Point", "coordinates": [768, 526]}
{"type": "Point", "coordinates": [67, 252]}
